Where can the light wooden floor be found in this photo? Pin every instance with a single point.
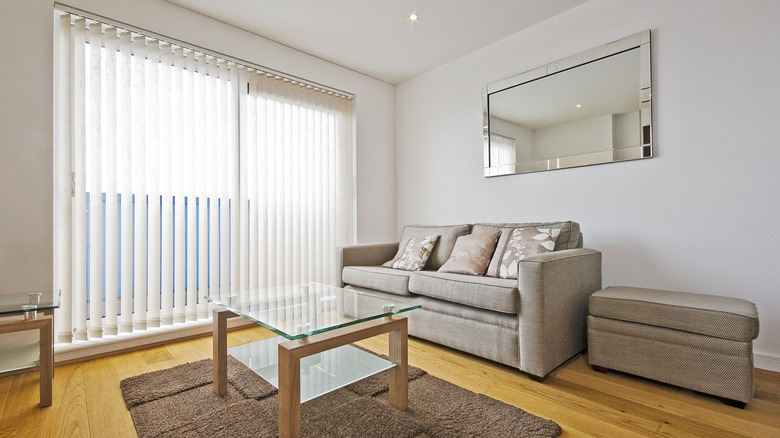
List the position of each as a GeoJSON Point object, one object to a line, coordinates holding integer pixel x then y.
{"type": "Point", "coordinates": [88, 402]}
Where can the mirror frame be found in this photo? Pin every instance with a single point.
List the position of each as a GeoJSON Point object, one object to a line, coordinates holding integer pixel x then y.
{"type": "Point", "coordinates": [645, 149]}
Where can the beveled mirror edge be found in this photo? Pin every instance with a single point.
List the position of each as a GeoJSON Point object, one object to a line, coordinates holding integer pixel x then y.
{"type": "Point", "coordinates": [639, 40]}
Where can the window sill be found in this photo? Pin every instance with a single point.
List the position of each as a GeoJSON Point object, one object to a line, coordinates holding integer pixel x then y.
{"type": "Point", "coordinates": [78, 351]}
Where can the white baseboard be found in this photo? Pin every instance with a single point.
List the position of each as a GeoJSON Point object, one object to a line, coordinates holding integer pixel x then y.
{"type": "Point", "coordinates": [766, 362]}
{"type": "Point", "coordinates": [80, 350]}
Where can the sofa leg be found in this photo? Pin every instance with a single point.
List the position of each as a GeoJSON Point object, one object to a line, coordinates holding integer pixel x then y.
{"type": "Point", "coordinates": [600, 369]}
{"type": "Point", "coordinates": [733, 403]}
{"type": "Point", "coordinates": [537, 378]}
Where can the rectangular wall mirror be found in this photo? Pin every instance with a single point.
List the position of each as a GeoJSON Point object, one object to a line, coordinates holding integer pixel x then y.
{"type": "Point", "coordinates": [590, 108]}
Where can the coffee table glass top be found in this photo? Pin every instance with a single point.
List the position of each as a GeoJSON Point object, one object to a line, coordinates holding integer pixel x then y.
{"type": "Point", "coordinates": [28, 301]}
{"type": "Point", "coordinates": [303, 310]}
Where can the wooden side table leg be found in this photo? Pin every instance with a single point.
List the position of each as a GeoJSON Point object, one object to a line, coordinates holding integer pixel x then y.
{"type": "Point", "coordinates": [399, 379]}
{"type": "Point", "coordinates": [219, 317]}
{"type": "Point", "coordinates": [51, 313]}
{"type": "Point", "coordinates": [289, 394]}
{"type": "Point", "coordinates": [46, 359]}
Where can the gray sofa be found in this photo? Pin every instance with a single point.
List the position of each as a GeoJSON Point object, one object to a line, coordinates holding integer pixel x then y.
{"type": "Point", "coordinates": [535, 322]}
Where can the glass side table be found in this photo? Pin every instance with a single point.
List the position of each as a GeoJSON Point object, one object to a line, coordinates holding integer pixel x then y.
{"type": "Point", "coordinates": [22, 311]}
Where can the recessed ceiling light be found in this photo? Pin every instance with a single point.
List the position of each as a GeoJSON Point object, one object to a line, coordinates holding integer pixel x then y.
{"type": "Point", "coordinates": [413, 17]}
{"type": "Point", "coordinates": [579, 105]}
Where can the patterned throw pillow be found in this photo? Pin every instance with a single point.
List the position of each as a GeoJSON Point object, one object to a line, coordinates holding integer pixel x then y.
{"type": "Point", "coordinates": [414, 254]}
{"type": "Point", "coordinates": [471, 254]}
{"type": "Point", "coordinates": [516, 244]}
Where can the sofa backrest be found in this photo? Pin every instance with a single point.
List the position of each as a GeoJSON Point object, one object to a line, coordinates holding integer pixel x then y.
{"type": "Point", "coordinates": [569, 238]}
{"type": "Point", "coordinates": [448, 234]}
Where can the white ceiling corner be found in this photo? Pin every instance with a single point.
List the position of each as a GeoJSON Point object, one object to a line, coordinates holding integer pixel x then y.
{"type": "Point", "coordinates": [374, 37]}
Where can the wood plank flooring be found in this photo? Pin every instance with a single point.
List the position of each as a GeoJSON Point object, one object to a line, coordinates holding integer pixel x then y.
{"type": "Point", "coordinates": [88, 403]}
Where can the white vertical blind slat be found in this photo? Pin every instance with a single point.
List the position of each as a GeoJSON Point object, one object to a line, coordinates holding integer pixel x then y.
{"type": "Point", "coordinates": [242, 208]}
{"type": "Point", "coordinates": [153, 177]}
{"type": "Point", "coordinates": [79, 175]}
{"type": "Point", "coordinates": [138, 109]}
{"type": "Point", "coordinates": [124, 182]}
{"type": "Point", "coordinates": [64, 201]}
{"type": "Point", "coordinates": [94, 180]}
{"type": "Point", "coordinates": [224, 150]}
{"type": "Point", "coordinates": [178, 185]}
{"type": "Point", "coordinates": [212, 179]}
{"type": "Point", "coordinates": [201, 103]}
{"type": "Point", "coordinates": [166, 170]}
{"type": "Point", "coordinates": [233, 154]}
{"type": "Point", "coordinates": [109, 142]}
{"type": "Point", "coordinates": [191, 150]}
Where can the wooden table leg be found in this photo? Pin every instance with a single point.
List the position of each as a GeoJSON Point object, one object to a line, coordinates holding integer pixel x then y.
{"type": "Point", "coordinates": [399, 381]}
{"type": "Point", "coordinates": [289, 394]}
{"type": "Point", "coordinates": [46, 360]}
{"type": "Point", "coordinates": [291, 353]}
{"type": "Point", "coordinates": [220, 317]}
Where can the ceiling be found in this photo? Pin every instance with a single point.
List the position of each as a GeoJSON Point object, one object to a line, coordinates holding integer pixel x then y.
{"type": "Point", "coordinates": [375, 37]}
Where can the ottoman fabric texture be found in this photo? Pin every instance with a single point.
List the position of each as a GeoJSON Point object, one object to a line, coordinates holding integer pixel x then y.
{"type": "Point", "coordinates": [722, 317]}
{"type": "Point", "coordinates": [699, 342]}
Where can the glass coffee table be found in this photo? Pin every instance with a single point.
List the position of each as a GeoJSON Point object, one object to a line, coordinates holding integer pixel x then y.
{"type": "Point", "coordinates": [23, 311]}
{"type": "Point", "coordinates": [312, 356]}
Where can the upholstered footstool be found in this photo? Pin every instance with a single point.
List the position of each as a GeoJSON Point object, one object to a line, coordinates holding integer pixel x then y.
{"type": "Point", "coordinates": [699, 342]}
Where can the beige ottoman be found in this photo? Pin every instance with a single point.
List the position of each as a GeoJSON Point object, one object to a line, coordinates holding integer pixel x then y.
{"type": "Point", "coordinates": [699, 342]}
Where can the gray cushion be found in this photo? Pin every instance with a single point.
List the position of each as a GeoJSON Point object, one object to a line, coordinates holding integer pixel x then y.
{"type": "Point", "coordinates": [395, 281]}
{"type": "Point", "coordinates": [497, 294]}
{"type": "Point", "coordinates": [568, 238]}
{"type": "Point", "coordinates": [722, 317]}
{"type": "Point", "coordinates": [447, 236]}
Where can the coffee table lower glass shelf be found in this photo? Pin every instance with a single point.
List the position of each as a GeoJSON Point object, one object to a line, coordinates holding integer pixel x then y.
{"type": "Point", "coordinates": [320, 373]}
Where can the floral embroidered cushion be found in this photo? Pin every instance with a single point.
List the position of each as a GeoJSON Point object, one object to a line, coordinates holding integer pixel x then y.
{"type": "Point", "coordinates": [413, 255]}
{"type": "Point", "coordinates": [517, 243]}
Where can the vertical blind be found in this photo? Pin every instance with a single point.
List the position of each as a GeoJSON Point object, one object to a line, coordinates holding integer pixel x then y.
{"type": "Point", "coordinates": [502, 150]}
{"type": "Point", "coordinates": [180, 175]}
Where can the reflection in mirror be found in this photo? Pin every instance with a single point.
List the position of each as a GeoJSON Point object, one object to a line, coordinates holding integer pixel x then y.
{"type": "Point", "coordinates": [590, 108]}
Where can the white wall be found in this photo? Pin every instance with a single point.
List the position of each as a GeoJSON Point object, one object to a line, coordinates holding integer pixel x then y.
{"type": "Point", "coordinates": [26, 78]}
{"type": "Point", "coordinates": [702, 216]}
{"type": "Point", "coordinates": [574, 138]}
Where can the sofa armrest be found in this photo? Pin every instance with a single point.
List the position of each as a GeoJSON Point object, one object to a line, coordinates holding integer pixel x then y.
{"type": "Point", "coordinates": [371, 254]}
{"type": "Point", "coordinates": [554, 291]}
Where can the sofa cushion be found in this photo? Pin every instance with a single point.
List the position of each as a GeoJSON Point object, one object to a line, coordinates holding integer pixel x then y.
{"type": "Point", "coordinates": [389, 280]}
{"type": "Point", "coordinates": [717, 316]}
{"type": "Point", "coordinates": [448, 234]}
{"type": "Point", "coordinates": [471, 254]}
{"type": "Point", "coordinates": [497, 294]}
{"type": "Point", "coordinates": [516, 244]}
{"type": "Point", "coordinates": [568, 238]}
{"type": "Point", "coordinates": [413, 254]}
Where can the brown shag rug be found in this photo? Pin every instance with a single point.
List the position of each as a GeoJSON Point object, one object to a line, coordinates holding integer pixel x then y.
{"type": "Point", "coordinates": [180, 402]}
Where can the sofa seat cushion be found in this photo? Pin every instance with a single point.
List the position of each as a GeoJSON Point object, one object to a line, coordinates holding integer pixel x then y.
{"type": "Point", "coordinates": [473, 314]}
{"type": "Point", "coordinates": [429, 305]}
{"type": "Point", "coordinates": [721, 317]}
{"type": "Point", "coordinates": [394, 281]}
{"type": "Point", "coordinates": [498, 294]}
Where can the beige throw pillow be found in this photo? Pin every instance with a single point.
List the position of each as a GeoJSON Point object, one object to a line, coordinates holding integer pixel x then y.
{"type": "Point", "coordinates": [516, 244]}
{"type": "Point", "coordinates": [413, 255]}
{"type": "Point", "coordinates": [471, 254]}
